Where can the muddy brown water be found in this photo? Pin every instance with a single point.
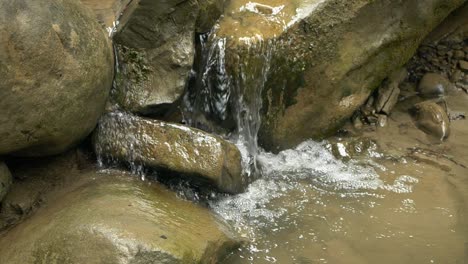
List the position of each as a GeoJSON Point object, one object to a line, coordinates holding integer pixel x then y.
{"type": "Point", "coordinates": [393, 195]}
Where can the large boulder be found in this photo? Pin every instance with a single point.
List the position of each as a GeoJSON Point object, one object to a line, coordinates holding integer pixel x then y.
{"type": "Point", "coordinates": [116, 218]}
{"type": "Point", "coordinates": [5, 180]}
{"type": "Point", "coordinates": [171, 147]}
{"type": "Point", "coordinates": [315, 62]}
{"type": "Point", "coordinates": [56, 68]}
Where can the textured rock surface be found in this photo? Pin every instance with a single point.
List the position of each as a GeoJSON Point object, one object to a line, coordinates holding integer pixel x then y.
{"type": "Point", "coordinates": [56, 65]}
{"type": "Point", "coordinates": [324, 57]}
{"type": "Point", "coordinates": [107, 11]}
{"type": "Point", "coordinates": [172, 147]}
{"type": "Point", "coordinates": [5, 180]}
{"type": "Point", "coordinates": [117, 218]}
{"type": "Point", "coordinates": [388, 92]}
{"type": "Point", "coordinates": [156, 50]}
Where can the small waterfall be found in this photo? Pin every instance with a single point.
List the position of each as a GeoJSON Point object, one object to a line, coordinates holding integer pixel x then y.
{"type": "Point", "coordinates": [211, 93]}
{"type": "Point", "coordinates": [125, 121]}
{"type": "Point", "coordinates": [228, 89]}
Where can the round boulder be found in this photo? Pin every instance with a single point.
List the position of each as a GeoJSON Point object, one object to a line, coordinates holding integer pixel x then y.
{"type": "Point", "coordinates": [432, 119]}
{"type": "Point", "coordinates": [433, 85]}
{"type": "Point", "coordinates": [56, 68]}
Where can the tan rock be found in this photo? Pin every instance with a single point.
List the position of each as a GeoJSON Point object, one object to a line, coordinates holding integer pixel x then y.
{"type": "Point", "coordinates": [172, 147]}
{"type": "Point", "coordinates": [56, 64]}
{"type": "Point", "coordinates": [117, 218]}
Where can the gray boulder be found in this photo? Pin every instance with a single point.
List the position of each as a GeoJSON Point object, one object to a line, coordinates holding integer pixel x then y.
{"type": "Point", "coordinates": [56, 68]}
{"type": "Point", "coordinates": [172, 147]}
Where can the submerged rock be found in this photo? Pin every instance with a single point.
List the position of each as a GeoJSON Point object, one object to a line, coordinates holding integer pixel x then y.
{"type": "Point", "coordinates": [432, 119]}
{"type": "Point", "coordinates": [117, 218]}
{"type": "Point", "coordinates": [317, 61]}
{"type": "Point", "coordinates": [56, 68]}
{"type": "Point", "coordinates": [171, 147]}
{"type": "Point", "coordinates": [5, 180]}
{"type": "Point", "coordinates": [433, 85]}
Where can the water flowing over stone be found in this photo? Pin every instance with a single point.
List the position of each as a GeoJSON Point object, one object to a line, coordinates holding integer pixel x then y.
{"type": "Point", "coordinates": [226, 96]}
{"type": "Point", "coordinates": [176, 148]}
{"type": "Point", "coordinates": [326, 58]}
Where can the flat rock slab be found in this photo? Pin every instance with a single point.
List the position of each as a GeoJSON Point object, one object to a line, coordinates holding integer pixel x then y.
{"type": "Point", "coordinates": [173, 147]}
{"type": "Point", "coordinates": [116, 218]}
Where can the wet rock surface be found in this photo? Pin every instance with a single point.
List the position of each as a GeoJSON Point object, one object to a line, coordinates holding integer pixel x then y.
{"type": "Point", "coordinates": [116, 218]}
{"type": "Point", "coordinates": [433, 85]}
{"type": "Point", "coordinates": [171, 147]}
{"type": "Point", "coordinates": [321, 72]}
{"type": "Point", "coordinates": [107, 11]}
{"type": "Point", "coordinates": [56, 65]}
{"type": "Point", "coordinates": [380, 105]}
{"type": "Point", "coordinates": [432, 119]}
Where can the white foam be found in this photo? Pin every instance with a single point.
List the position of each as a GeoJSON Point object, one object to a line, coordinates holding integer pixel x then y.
{"type": "Point", "coordinates": [296, 173]}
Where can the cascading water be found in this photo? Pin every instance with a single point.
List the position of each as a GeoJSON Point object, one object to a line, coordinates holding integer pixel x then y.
{"type": "Point", "coordinates": [220, 94]}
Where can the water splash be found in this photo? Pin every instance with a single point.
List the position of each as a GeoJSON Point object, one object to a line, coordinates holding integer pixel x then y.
{"type": "Point", "coordinates": [295, 175]}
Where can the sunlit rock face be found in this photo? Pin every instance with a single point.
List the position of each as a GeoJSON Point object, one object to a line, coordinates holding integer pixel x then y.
{"type": "Point", "coordinates": [318, 60]}
{"type": "Point", "coordinates": [116, 218]}
{"type": "Point", "coordinates": [180, 149]}
{"type": "Point", "coordinates": [56, 68]}
{"type": "Point", "coordinates": [107, 11]}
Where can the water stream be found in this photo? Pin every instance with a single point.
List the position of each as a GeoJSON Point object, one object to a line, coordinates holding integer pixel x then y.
{"type": "Point", "coordinates": [320, 202]}
{"type": "Point", "coordinates": [219, 95]}
{"type": "Point", "coordinates": [312, 207]}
